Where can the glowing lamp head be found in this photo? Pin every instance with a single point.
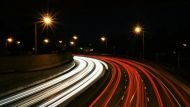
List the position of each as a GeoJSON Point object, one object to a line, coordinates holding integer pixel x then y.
{"type": "Point", "coordinates": [47, 20]}
{"type": "Point", "coordinates": [184, 45]}
{"type": "Point", "coordinates": [33, 49]}
{"type": "Point", "coordinates": [10, 40]}
{"type": "Point", "coordinates": [60, 41]}
{"type": "Point", "coordinates": [18, 42]}
{"type": "Point", "coordinates": [46, 41]}
{"type": "Point", "coordinates": [138, 29]}
{"type": "Point", "coordinates": [75, 37]}
{"type": "Point", "coordinates": [72, 43]}
{"type": "Point", "coordinates": [103, 39]}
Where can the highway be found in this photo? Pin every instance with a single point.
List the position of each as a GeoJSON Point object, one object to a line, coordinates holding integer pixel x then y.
{"type": "Point", "coordinates": [134, 84]}
{"type": "Point", "coordinates": [61, 89]}
{"type": "Point", "coordinates": [101, 81]}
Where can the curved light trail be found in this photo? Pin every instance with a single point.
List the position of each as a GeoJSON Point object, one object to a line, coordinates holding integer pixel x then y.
{"type": "Point", "coordinates": [130, 84]}
{"type": "Point", "coordinates": [79, 87]}
{"type": "Point", "coordinates": [145, 86]}
{"type": "Point", "coordinates": [61, 89]}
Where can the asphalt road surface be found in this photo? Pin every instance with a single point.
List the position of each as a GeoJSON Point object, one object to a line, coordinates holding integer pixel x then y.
{"type": "Point", "coordinates": [61, 89]}
{"type": "Point", "coordinates": [143, 86]}
{"type": "Point", "coordinates": [102, 81]}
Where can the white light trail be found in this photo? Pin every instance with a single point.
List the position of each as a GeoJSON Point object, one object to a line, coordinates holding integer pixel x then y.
{"type": "Point", "coordinates": [79, 87]}
{"type": "Point", "coordinates": [43, 86]}
{"type": "Point", "coordinates": [70, 84]}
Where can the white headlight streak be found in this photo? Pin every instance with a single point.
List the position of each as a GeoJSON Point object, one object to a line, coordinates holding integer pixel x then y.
{"type": "Point", "coordinates": [63, 88]}
{"type": "Point", "coordinates": [43, 86]}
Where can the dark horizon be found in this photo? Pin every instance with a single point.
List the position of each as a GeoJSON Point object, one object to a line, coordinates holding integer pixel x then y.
{"type": "Point", "coordinates": [166, 24]}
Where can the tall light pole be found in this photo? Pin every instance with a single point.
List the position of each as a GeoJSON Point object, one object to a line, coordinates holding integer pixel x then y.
{"type": "Point", "coordinates": [180, 54]}
{"type": "Point", "coordinates": [47, 20]}
{"type": "Point", "coordinates": [138, 30]}
{"type": "Point", "coordinates": [36, 38]}
{"type": "Point", "coordinates": [8, 40]}
{"type": "Point", "coordinates": [73, 42]}
{"type": "Point", "coordinates": [104, 39]}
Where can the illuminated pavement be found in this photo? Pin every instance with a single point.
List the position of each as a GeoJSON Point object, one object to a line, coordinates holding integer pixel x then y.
{"type": "Point", "coordinates": [120, 82]}
{"type": "Point", "coordinates": [61, 89]}
{"type": "Point", "coordinates": [143, 86]}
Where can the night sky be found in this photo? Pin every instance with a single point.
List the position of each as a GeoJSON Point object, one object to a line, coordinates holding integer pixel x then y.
{"type": "Point", "coordinates": [166, 24]}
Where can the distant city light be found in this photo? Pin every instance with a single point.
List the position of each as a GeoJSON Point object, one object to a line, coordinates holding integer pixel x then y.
{"type": "Point", "coordinates": [18, 42]}
{"type": "Point", "coordinates": [91, 50]}
{"type": "Point", "coordinates": [75, 37]}
{"type": "Point", "coordinates": [184, 45]}
{"type": "Point", "coordinates": [60, 41]}
{"type": "Point", "coordinates": [72, 43]}
{"type": "Point", "coordinates": [174, 52]}
{"type": "Point", "coordinates": [46, 41]}
{"type": "Point", "coordinates": [33, 49]}
{"type": "Point", "coordinates": [9, 39]}
{"type": "Point", "coordinates": [103, 39]}
{"type": "Point", "coordinates": [81, 48]}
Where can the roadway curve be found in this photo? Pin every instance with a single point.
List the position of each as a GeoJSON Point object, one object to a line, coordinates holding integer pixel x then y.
{"type": "Point", "coordinates": [135, 84]}
{"type": "Point", "coordinates": [120, 82]}
{"type": "Point", "coordinates": [61, 89]}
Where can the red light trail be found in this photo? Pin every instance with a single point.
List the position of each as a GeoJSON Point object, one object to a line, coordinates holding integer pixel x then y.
{"type": "Point", "coordinates": [113, 82]}
{"type": "Point", "coordinates": [146, 86]}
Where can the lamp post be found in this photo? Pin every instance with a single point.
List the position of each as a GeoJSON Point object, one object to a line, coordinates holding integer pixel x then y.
{"type": "Point", "coordinates": [8, 40]}
{"type": "Point", "coordinates": [138, 30]}
{"type": "Point", "coordinates": [104, 39]}
{"type": "Point", "coordinates": [47, 20]}
{"type": "Point", "coordinates": [74, 42]}
{"type": "Point", "coordinates": [180, 54]}
{"type": "Point", "coordinates": [35, 39]}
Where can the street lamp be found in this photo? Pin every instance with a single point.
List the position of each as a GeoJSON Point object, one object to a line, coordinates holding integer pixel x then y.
{"type": "Point", "coordinates": [180, 57]}
{"type": "Point", "coordinates": [8, 40]}
{"type": "Point", "coordinates": [18, 42]}
{"type": "Point", "coordinates": [75, 37]}
{"type": "Point", "coordinates": [47, 20]}
{"type": "Point", "coordinates": [138, 30]}
{"type": "Point", "coordinates": [60, 41]}
{"type": "Point", "coordinates": [72, 43]}
{"type": "Point", "coordinates": [46, 41]}
{"type": "Point", "coordinates": [184, 45]}
{"type": "Point", "coordinates": [104, 39]}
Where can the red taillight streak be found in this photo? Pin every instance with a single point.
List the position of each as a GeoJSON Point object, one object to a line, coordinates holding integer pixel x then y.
{"type": "Point", "coordinates": [107, 87]}
{"type": "Point", "coordinates": [187, 103]}
{"type": "Point", "coordinates": [132, 73]}
{"type": "Point", "coordinates": [150, 79]}
{"type": "Point", "coordinates": [114, 87]}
